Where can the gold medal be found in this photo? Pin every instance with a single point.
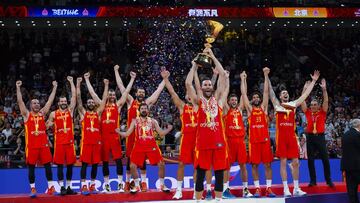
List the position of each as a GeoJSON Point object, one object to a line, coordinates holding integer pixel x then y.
{"type": "Point", "coordinates": [92, 126]}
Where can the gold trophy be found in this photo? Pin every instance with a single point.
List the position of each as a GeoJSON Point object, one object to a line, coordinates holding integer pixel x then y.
{"type": "Point", "coordinates": [212, 31]}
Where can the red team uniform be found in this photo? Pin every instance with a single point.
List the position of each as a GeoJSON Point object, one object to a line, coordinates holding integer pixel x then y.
{"type": "Point", "coordinates": [316, 121]}
{"type": "Point", "coordinates": [210, 150]}
{"type": "Point", "coordinates": [235, 134]}
{"type": "Point", "coordinates": [145, 146]}
{"type": "Point", "coordinates": [188, 131]}
{"type": "Point", "coordinates": [64, 150]}
{"type": "Point", "coordinates": [37, 146]}
{"type": "Point", "coordinates": [110, 139]}
{"type": "Point", "coordinates": [133, 113]}
{"type": "Point", "coordinates": [286, 141]}
{"type": "Point", "coordinates": [91, 139]}
{"type": "Point", "coordinates": [259, 144]}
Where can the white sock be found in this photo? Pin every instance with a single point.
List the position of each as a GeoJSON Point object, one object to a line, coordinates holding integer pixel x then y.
{"type": "Point", "coordinates": [120, 178]}
{"type": "Point", "coordinates": [245, 184]}
{"type": "Point", "coordinates": [50, 183]}
{"type": "Point", "coordinates": [137, 182]}
{"type": "Point", "coordinates": [128, 175]}
{"type": "Point", "coordinates": [285, 184]}
{"type": "Point", "coordinates": [161, 181]}
{"type": "Point", "coordinates": [179, 185]}
{"type": "Point", "coordinates": [106, 179]}
{"type": "Point", "coordinates": [32, 185]}
{"type": "Point", "coordinates": [194, 186]}
{"type": "Point", "coordinates": [226, 186]}
{"type": "Point", "coordinates": [218, 199]}
{"type": "Point", "coordinates": [268, 183]}
{"type": "Point", "coordinates": [257, 183]}
{"type": "Point", "coordinates": [143, 177]}
{"type": "Point", "coordinates": [92, 182]}
{"type": "Point", "coordinates": [208, 186]}
{"type": "Point", "coordinates": [296, 184]}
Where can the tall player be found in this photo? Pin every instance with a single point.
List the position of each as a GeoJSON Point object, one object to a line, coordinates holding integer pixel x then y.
{"type": "Point", "coordinates": [210, 150]}
{"type": "Point", "coordinates": [286, 139]}
{"type": "Point", "coordinates": [110, 120]}
{"type": "Point", "coordinates": [90, 152]}
{"type": "Point", "coordinates": [188, 115]}
{"type": "Point", "coordinates": [64, 150]}
{"type": "Point", "coordinates": [145, 146]}
{"type": "Point", "coordinates": [36, 140]}
{"type": "Point", "coordinates": [259, 137]}
{"type": "Point", "coordinates": [133, 106]}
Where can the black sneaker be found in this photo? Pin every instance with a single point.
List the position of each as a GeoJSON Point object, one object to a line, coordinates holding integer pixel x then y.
{"type": "Point", "coordinates": [330, 184]}
{"type": "Point", "coordinates": [69, 191]}
{"type": "Point", "coordinates": [312, 184]}
{"type": "Point", "coordinates": [63, 191]}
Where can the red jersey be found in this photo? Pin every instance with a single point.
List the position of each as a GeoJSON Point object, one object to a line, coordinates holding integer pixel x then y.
{"type": "Point", "coordinates": [234, 125]}
{"type": "Point", "coordinates": [63, 127]}
{"type": "Point", "coordinates": [90, 128]}
{"type": "Point", "coordinates": [285, 120]}
{"type": "Point", "coordinates": [144, 135]}
{"type": "Point", "coordinates": [110, 120]}
{"type": "Point", "coordinates": [315, 121]}
{"type": "Point", "coordinates": [188, 119]}
{"type": "Point", "coordinates": [258, 126]}
{"type": "Point", "coordinates": [35, 131]}
{"type": "Point", "coordinates": [133, 111]}
{"type": "Point", "coordinates": [210, 134]}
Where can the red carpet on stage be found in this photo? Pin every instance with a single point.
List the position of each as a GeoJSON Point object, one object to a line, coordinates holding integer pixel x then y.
{"type": "Point", "coordinates": [154, 195]}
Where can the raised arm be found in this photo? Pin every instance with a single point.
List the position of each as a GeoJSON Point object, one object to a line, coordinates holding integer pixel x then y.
{"type": "Point", "coordinates": [154, 97]}
{"type": "Point", "coordinates": [80, 107]}
{"type": "Point", "coordinates": [272, 95]}
{"type": "Point", "coordinates": [177, 101]}
{"type": "Point", "coordinates": [120, 84]}
{"type": "Point", "coordinates": [189, 86]}
{"type": "Point", "coordinates": [265, 102]}
{"type": "Point", "coordinates": [73, 94]}
{"type": "Point", "coordinates": [162, 132]}
{"type": "Point", "coordinates": [104, 97]}
{"type": "Point", "coordinates": [325, 104]}
{"type": "Point", "coordinates": [214, 76]}
{"type": "Point", "coordinates": [24, 111]}
{"type": "Point", "coordinates": [197, 82]}
{"type": "Point", "coordinates": [94, 96]}
{"type": "Point", "coordinates": [243, 89]}
{"type": "Point", "coordinates": [49, 102]}
{"type": "Point", "coordinates": [222, 75]}
{"type": "Point", "coordinates": [303, 105]}
{"type": "Point", "coordinates": [224, 94]}
{"type": "Point", "coordinates": [50, 121]}
{"type": "Point", "coordinates": [308, 90]}
{"type": "Point", "coordinates": [125, 94]}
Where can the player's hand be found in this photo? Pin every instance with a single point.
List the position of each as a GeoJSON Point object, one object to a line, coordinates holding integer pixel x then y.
{"type": "Point", "coordinates": [69, 78]}
{"type": "Point", "coordinates": [116, 67]}
{"type": "Point", "coordinates": [208, 51]}
{"type": "Point", "coordinates": [243, 75]}
{"type": "Point", "coordinates": [18, 83]}
{"type": "Point", "coordinates": [323, 84]}
{"type": "Point", "coordinates": [106, 81]}
{"type": "Point", "coordinates": [227, 74]}
{"type": "Point", "coordinates": [132, 74]}
{"type": "Point", "coordinates": [165, 74]}
{"type": "Point", "coordinates": [87, 76]}
{"type": "Point", "coordinates": [54, 83]}
{"type": "Point", "coordinates": [316, 75]}
{"type": "Point", "coordinates": [215, 71]}
{"type": "Point", "coordinates": [78, 80]}
{"type": "Point", "coordinates": [266, 71]}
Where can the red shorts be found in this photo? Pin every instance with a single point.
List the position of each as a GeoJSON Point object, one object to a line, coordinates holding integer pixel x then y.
{"type": "Point", "coordinates": [112, 146]}
{"type": "Point", "coordinates": [91, 153]}
{"type": "Point", "coordinates": [33, 155]}
{"type": "Point", "coordinates": [287, 145]}
{"type": "Point", "coordinates": [237, 150]}
{"type": "Point", "coordinates": [187, 149]}
{"type": "Point", "coordinates": [212, 158]}
{"type": "Point", "coordinates": [64, 154]}
{"type": "Point", "coordinates": [139, 157]}
{"type": "Point", "coordinates": [130, 140]}
{"type": "Point", "coordinates": [260, 152]}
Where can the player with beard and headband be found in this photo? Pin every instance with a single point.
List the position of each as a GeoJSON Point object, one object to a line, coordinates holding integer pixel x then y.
{"type": "Point", "coordinates": [188, 130]}
{"type": "Point", "coordinates": [286, 139]}
{"type": "Point", "coordinates": [110, 120]}
{"type": "Point", "coordinates": [90, 149]}
{"type": "Point", "coordinates": [259, 137]}
{"type": "Point", "coordinates": [36, 141]}
{"type": "Point", "coordinates": [133, 112]}
{"type": "Point", "coordinates": [211, 149]}
{"type": "Point", "coordinates": [145, 146]}
{"type": "Point", "coordinates": [64, 150]}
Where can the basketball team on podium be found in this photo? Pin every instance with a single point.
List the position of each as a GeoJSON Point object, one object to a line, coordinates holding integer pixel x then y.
{"type": "Point", "coordinates": [213, 134]}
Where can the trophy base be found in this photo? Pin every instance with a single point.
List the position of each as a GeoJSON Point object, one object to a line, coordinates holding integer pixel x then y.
{"type": "Point", "coordinates": [204, 61]}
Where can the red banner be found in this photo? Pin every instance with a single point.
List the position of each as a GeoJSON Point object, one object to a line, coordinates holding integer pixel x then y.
{"type": "Point", "coordinates": [13, 11]}
{"type": "Point", "coordinates": [344, 12]}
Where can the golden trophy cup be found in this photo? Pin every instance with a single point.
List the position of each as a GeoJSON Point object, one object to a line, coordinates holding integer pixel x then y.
{"type": "Point", "coordinates": [212, 31]}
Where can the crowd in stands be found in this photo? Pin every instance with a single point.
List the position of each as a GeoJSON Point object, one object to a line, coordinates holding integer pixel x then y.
{"type": "Point", "coordinates": [39, 56]}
